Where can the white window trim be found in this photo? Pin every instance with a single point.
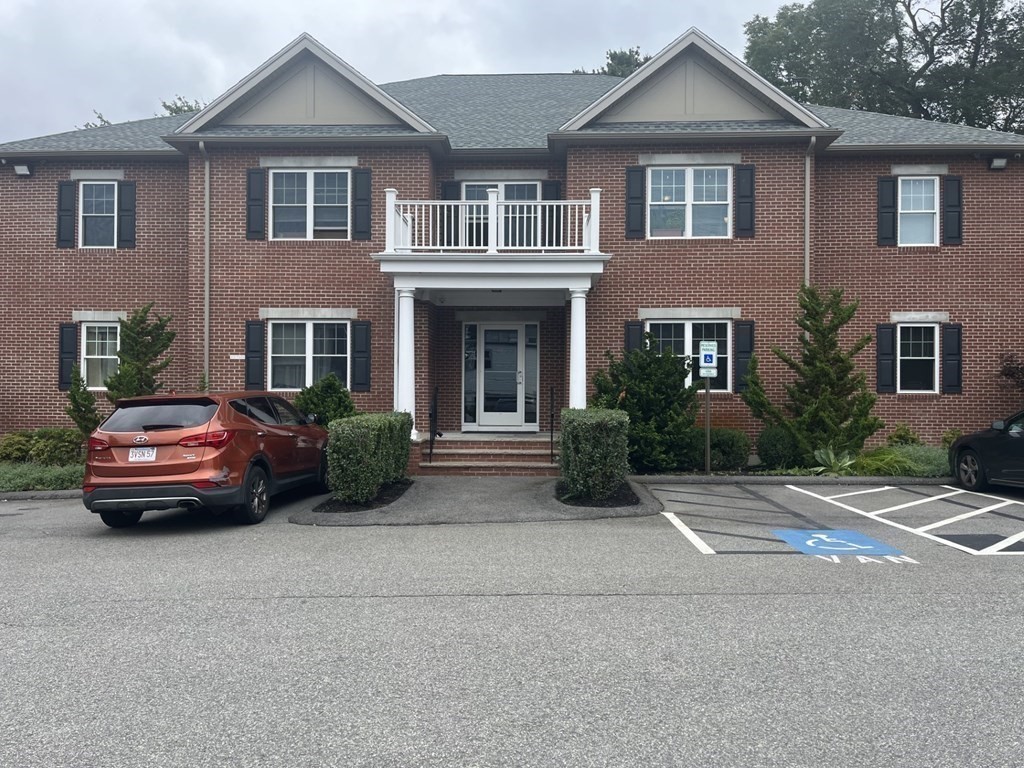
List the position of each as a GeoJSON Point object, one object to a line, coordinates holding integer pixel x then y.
{"type": "Point", "coordinates": [82, 347]}
{"type": "Point", "coordinates": [688, 343]}
{"type": "Point", "coordinates": [309, 350]}
{"type": "Point", "coordinates": [500, 185]}
{"type": "Point", "coordinates": [690, 201]}
{"type": "Point", "coordinates": [900, 212]}
{"type": "Point", "coordinates": [935, 363]}
{"type": "Point", "coordinates": [81, 214]}
{"type": "Point", "coordinates": [309, 172]}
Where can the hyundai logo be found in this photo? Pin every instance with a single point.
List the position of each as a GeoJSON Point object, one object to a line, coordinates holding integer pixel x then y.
{"type": "Point", "coordinates": [140, 439]}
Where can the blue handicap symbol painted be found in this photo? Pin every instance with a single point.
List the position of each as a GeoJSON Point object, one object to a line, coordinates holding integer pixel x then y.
{"type": "Point", "coordinates": [708, 358]}
{"type": "Point", "coordinates": [834, 543]}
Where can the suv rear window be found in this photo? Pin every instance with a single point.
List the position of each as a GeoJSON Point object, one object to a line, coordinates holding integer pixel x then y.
{"type": "Point", "coordinates": [141, 417]}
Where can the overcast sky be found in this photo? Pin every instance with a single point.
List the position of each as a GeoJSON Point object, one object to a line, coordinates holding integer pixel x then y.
{"type": "Point", "coordinates": [61, 59]}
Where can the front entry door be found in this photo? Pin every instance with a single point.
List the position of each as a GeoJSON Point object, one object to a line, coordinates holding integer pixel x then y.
{"type": "Point", "coordinates": [500, 376]}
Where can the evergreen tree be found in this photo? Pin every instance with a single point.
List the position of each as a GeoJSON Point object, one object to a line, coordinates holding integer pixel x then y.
{"type": "Point", "coordinates": [621, 63]}
{"type": "Point", "coordinates": [82, 404]}
{"type": "Point", "coordinates": [828, 403]}
{"type": "Point", "coordinates": [143, 342]}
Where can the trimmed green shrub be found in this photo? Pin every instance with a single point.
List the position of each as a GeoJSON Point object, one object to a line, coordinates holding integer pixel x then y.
{"type": "Point", "coordinates": [593, 452]}
{"type": "Point", "coordinates": [730, 450]}
{"type": "Point", "coordinates": [37, 477]}
{"type": "Point", "coordinates": [366, 451]}
{"type": "Point", "coordinates": [327, 400]}
{"type": "Point", "coordinates": [930, 460]}
{"type": "Point", "coordinates": [903, 435]}
{"type": "Point", "coordinates": [949, 437]}
{"type": "Point", "coordinates": [777, 449]}
{"type": "Point", "coordinates": [82, 405]}
{"type": "Point", "coordinates": [15, 446]}
{"type": "Point", "coordinates": [56, 446]}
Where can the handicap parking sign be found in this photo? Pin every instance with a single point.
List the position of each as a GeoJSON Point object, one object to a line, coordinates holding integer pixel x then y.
{"type": "Point", "coordinates": [833, 543]}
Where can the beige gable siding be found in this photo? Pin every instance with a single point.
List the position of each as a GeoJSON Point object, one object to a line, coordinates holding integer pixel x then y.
{"type": "Point", "coordinates": [689, 89]}
{"type": "Point", "coordinates": [311, 94]}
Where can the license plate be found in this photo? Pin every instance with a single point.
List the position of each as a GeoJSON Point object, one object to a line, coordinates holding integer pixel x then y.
{"type": "Point", "coordinates": [142, 454]}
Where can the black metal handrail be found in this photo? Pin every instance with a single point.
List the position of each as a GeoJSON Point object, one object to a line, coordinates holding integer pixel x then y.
{"type": "Point", "coordinates": [433, 426]}
{"type": "Point", "coordinates": [551, 421]}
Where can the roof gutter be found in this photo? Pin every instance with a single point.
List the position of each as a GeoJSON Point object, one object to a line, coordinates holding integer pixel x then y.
{"type": "Point", "coordinates": [807, 210]}
{"type": "Point", "coordinates": [206, 262]}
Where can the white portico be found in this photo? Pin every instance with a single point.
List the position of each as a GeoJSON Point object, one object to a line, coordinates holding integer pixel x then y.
{"type": "Point", "coordinates": [493, 256]}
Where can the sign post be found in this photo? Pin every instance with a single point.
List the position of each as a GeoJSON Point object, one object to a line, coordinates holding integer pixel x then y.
{"type": "Point", "coordinates": [708, 371]}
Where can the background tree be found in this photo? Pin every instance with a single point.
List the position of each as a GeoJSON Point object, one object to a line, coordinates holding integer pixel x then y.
{"type": "Point", "coordinates": [82, 404]}
{"type": "Point", "coordinates": [621, 63]}
{"type": "Point", "coordinates": [951, 60]}
{"type": "Point", "coordinates": [143, 343]}
{"type": "Point", "coordinates": [828, 403]}
{"type": "Point", "coordinates": [179, 105]}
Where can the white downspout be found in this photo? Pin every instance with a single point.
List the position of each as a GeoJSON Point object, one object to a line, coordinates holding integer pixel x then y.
{"type": "Point", "coordinates": [807, 210]}
{"type": "Point", "coordinates": [206, 262]}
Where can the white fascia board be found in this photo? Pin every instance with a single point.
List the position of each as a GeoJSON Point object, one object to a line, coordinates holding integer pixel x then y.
{"type": "Point", "coordinates": [697, 39]}
{"type": "Point", "coordinates": [304, 42]}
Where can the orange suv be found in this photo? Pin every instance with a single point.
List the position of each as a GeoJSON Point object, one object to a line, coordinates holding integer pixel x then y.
{"type": "Point", "coordinates": [220, 451]}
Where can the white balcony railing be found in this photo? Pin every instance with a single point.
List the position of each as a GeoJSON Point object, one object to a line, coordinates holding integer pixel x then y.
{"type": "Point", "coordinates": [493, 226]}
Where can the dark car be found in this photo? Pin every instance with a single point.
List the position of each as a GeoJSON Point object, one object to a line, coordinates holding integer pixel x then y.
{"type": "Point", "coordinates": [994, 455]}
{"type": "Point", "coordinates": [230, 450]}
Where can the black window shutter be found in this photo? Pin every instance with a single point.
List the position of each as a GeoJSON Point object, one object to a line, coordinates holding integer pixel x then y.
{"type": "Point", "coordinates": [952, 211]}
{"type": "Point", "coordinates": [887, 211]}
{"type": "Point", "coordinates": [361, 188]}
{"type": "Point", "coordinates": [636, 202]}
{"type": "Point", "coordinates": [68, 354]}
{"type": "Point", "coordinates": [952, 359]}
{"type": "Point", "coordinates": [360, 356]}
{"type": "Point", "coordinates": [743, 350]}
{"type": "Point", "coordinates": [66, 204]}
{"type": "Point", "coordinates": [634, 335]}
{"type": "Point", "coordinates": [744, 182]}
{"type": "Point", "coordinates": [255, 354]}
{"type": "Point", "coordinates": [553, 221]}
{"type": "Point", "coordinates": [126, 214]}
{"type": "Point", "coordinates": [256, 204]}
{"type": "Point", "coordinates": [885, 362]}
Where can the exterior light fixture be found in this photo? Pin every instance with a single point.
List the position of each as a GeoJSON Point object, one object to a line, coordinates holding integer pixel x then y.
{"type": "Point", "coordinates": [24, 170]}
{"type": "Point", "coordinates": [997, 163]}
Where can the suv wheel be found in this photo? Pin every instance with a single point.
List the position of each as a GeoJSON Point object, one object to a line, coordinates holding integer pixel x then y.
{"type": "Point", "coordinates": [117, 519]}
{"type": "Point", "coordinates": [970, 471]}
{"type": "Point", "coordinates": [256, 502]}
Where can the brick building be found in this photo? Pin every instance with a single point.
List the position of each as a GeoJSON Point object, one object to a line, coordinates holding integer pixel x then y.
{"type": "Point", "coordinates": [489, 237]}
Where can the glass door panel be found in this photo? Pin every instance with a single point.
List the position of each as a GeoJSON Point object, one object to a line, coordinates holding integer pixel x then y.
{"type": "Point", "coordinates": [501, 377]}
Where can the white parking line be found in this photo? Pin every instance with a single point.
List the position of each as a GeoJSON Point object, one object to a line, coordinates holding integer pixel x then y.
{"type": "Point", "coordinates": [858, 493]}
{"type": "Point", "coordinates": [915, 503]}
{"type": "Point", "coordinates": [696, 540]}
{"type": "Point", "coordinates": [964, 516]}
{"type": "Point", "coordinates": [999, 546]}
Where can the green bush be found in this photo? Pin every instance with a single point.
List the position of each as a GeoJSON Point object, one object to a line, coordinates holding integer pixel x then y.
{"type": "Point", "coordinates": [37, 477]}
{"type": "Point", "coordinates": [15, 446]}
{"type": "Point", "coordinates": [949, 437]}
{"type": "Point", "coordinates": [777, 449]}
{"type": "Point", "coordinates": [903, 435]}
{"type": "Point", "coordinates": [364, 452]}
{"type": "Point", "coordinates": [650, 386]}
{"type": "Point", "coordinates": [593, 452]}
{"type": "Point", "coordinates": [327, 400]}
{"type": "Point", "coordinates": [931, 461]}
{"type": "Point", "coordinates": [56, 446]}
{"type": "Point", "coordinates": [730, 450]}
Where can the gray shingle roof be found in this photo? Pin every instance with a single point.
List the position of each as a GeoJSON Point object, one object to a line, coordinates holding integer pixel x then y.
{"type": "Point", "coordinates": [135, 136]}
{"type": "Point", "coordinates": [695, 126]}
{"type": "Point", "coordinates": [500, 111]}
{"type": "Point", "coordinates": [872, 129]}
{"type": "Point", "coordinates": [302, 131]}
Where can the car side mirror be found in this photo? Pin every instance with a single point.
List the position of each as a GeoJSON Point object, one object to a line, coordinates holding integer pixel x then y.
{"type": "Point", "coordinates": [999, 425]}
{"type": "Point", "coordinates": [310, 418]}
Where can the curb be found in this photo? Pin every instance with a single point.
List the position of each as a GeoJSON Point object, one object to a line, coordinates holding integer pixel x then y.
{"type": "Point", "coordinates": [40, 495]}
{"type": "Point", "coordinates": [787, 480]}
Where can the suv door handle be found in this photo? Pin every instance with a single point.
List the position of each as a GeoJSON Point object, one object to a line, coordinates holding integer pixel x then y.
{"type": "Point", "coordinates": [261, 433]}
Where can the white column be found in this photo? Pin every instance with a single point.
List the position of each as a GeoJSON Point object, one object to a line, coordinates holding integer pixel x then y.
{"type": "Point", "coordinates": [406, 373]}
{"type": "Point", "coordinates": [595, 221]}
{"type": "Point", "coordinates": [578, 349]}
{"type": "Point", "coordinates": [493, 222]}
{"type": "Point", "coordinates": [390, 198]}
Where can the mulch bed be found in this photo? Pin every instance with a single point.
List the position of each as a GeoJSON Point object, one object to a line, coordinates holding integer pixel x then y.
{"type": "Point", "coordinates": [388, 494]}
{"type": "Point", "coordinates": [623, 497]}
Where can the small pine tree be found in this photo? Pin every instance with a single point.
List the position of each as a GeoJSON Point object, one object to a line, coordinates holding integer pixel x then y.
{"type": "Point", "coordinates": [82, 405]}
{"type": "Point", "coordinates": [143, 342]}
{"type": "Point", "coordinates": [650, 386]}
{"type": "Point", "coordinates": [829, 403]}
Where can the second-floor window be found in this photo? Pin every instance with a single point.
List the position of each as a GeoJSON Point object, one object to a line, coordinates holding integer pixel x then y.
{"type": "Point", "coordinates": [689, 202]}
{"type": "Point", "coordinates": [310, 205]}
{"type": "Point", "coordinates": [98, 212]}
{"type": "Point", "coordinates": [918, 210]}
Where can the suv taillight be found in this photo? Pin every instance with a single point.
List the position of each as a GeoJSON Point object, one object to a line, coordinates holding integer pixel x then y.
{"type": "Point", "coordinates": [216, 439]}
{"type": "Point", "coordinates": [95, 444]}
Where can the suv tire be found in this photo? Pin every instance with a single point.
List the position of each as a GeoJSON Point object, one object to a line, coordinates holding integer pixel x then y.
{"type": "Point", "coordinates": [256, 497]}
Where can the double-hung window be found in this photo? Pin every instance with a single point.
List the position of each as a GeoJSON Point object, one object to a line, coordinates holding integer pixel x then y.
{"type": "Point", "coordinates": [683, 337]}
{"type": "Point", "coordinates": [100, 343]}
{"type": "Point", "coordinates": [918, 210]}
{"type": "Point", "coordinates": [917, 367]}
{"type": "Point", "coordinates": [518, 205]}
{"type": "Point", "coordinates": [689, 202]}
{"type": "Point", "coordinates": [98, 214]}
{"type": "Point", "coordinates": [310, 205]}
{"type": "Point", "coordinates": [304, 351]}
